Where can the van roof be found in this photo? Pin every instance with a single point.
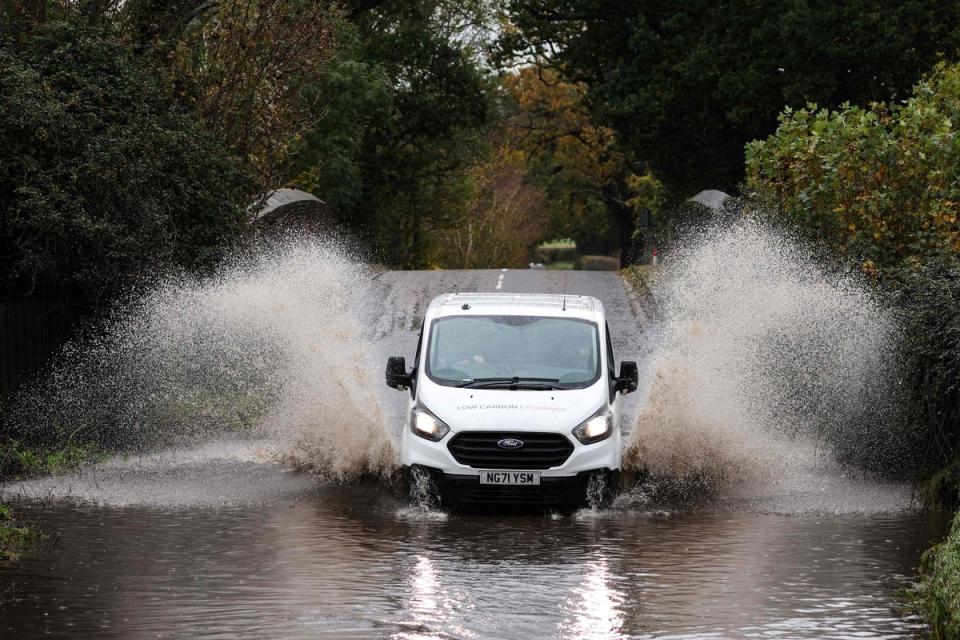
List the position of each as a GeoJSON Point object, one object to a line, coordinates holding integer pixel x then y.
{"type": "Point", "coordinates": [534, 304]}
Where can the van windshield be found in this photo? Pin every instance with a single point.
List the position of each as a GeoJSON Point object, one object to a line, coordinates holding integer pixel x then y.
{"type": "Point", "coordinates": [487, 350]}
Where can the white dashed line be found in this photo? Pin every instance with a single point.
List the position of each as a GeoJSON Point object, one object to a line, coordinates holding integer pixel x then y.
{"type": "Point", "coordinates": [500, 280]}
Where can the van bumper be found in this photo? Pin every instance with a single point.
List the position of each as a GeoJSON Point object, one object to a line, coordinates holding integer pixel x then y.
{"type": "Point", "coordinates": [464, 492]}
{"type": "Point", "coordinates": [417, 451]}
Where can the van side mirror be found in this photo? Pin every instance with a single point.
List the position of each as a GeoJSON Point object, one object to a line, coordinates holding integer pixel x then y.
{"type": "Point", "coordinates": [397, 376]}
{"type": "Point", "coordinates": [629, 377]}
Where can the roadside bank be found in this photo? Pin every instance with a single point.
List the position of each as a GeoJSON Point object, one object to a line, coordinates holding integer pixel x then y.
{"type": "Point", "coordinates": [940, 586]}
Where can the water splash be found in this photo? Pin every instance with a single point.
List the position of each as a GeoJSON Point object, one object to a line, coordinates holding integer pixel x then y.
{"type": "Point", "coordinates": [766, 363]}
{"type": "Point", "coordinates": [213, 474]}
{"type": "Point", "coordinates": [423, 499]}
{"type": "Point", "coordinates": [268, 348]}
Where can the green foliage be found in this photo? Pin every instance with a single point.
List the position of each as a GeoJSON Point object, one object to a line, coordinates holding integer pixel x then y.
{"type": "Point", "coordinates": [103, 177]}
{"type": "Point", "coordinates": [647, 204]}
{"type": "Point", "coordinates": [598, 263]}
{"type": "Point", "coordinates": [18, 460]}
{"type": "Point", "coordinates": [647, 194]}
{"type": "Point", "coordinates": [15, 537]}
{"type": "Point", "coordinates": [927, 299]}
{"type": "Point", "coordinates": [502, 221]}
{"type": "Point", "coordinates": [880, 184]}
{"type": "Point", "coordinates": [942, 488]}
{"type": "Point", "coordinates": [586, 218]}
{"type": "Point", "coordinates": [940, 590]}
{"type": "Point", "coordinates": [686, 85]}
{"type": "Point", "coordinates": [407, 108]}
{"type": "Point", "coordinates": [557, 251]}
{"type": "Point", "coordinates": [352, 91]}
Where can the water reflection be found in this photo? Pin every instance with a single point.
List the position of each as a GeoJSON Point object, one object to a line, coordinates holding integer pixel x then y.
{"type": "Point", "coordinates": [423, 589]}
{"type": "Point", "coordinates": [350, 562]}
{"type": "Point", "coordinates": [593, 609]}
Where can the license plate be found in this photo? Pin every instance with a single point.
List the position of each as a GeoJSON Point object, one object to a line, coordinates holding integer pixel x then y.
{"type": "Point", "coordinates": [510, 477]}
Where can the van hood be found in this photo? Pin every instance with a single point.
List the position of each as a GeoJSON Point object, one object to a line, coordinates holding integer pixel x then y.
{"type": "Point", "coordinates": [488, 409]}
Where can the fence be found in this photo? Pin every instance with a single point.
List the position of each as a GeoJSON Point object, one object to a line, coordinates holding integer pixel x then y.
{"type": "Point", "coordinates": [31, 331]}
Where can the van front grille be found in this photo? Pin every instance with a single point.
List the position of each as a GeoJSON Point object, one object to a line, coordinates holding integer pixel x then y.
{"type": "Point", "coordinates": [479, 449]}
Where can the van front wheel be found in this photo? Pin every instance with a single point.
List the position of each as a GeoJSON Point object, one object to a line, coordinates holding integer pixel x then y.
{"type": "Point", "coordinates": [602, 489]}
{"type": "Point", "coordinates": [422, 489]}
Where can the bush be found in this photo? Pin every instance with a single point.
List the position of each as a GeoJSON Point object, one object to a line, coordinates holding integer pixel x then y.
{"type": "Point", "coordinates": [557, 251]}
{"type": "Point", "coordinates": [598, 263]}
{"type": "Point", "coordinates": [18, 460]}
{"type": "Point", "coordinates": [15, 537]}
{"type": "Point", "coordinates": [927, 300]}
{"type": "Point", "coordinates": [103, 176]}
{"type": "Point", "coordinates": [881, 184]}
{"type": "Point", "coordinates": [940, 589]}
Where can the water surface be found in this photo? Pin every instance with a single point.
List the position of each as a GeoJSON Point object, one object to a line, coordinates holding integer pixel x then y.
{"type": "Point", "coordinates": [304, 559]}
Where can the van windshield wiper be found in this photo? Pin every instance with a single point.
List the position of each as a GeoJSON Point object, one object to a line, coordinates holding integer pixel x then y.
{"type": "Point", "coordinates": [516, 382]}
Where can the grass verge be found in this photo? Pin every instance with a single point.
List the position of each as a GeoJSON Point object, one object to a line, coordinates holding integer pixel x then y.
{"type": "Point", "coordinates": [939, 589]}
{"type": "Point", "coordinates": [15, 537]}
{"type": "Point", "coordinates": [19, 461]}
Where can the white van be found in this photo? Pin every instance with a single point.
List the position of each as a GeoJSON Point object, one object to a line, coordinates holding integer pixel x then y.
{"type": "Point", "coordinates": [514, 398]}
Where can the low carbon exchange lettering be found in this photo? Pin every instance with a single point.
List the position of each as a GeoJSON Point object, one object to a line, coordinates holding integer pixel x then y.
{"type": "Point", "coordinates": [510, 407]}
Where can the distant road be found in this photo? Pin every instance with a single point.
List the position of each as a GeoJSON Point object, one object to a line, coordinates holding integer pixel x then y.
{"type": "Point", "coordinates": [400, 299]}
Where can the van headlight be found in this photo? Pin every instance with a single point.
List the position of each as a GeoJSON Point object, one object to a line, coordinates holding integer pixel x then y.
{"type": "Point", "coordinates": [595, 429]}
{"type": "Point", "coordinates": [426, 425]}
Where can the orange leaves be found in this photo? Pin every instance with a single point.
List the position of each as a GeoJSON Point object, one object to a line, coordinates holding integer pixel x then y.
{"type": "Point", "coordinates": [552, 123]}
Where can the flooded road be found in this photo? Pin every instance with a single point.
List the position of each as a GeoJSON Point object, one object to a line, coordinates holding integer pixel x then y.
{"type": "Point", "coordinates": [327, 561]}
{"type": "Point", "coordinates": [220, 540]}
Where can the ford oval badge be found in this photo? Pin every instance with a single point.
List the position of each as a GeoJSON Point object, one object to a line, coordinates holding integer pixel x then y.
{"type": "Point", "coordinates": [510, 443]}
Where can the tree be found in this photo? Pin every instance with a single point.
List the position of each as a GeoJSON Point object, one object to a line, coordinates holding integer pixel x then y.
{"type": "Point", "coordinates": [685, 86]}
{"type": "Point", "coordinates": [248, 64]}
{"type": "Point", "coordinates": [587, 178]}
{"type": "Point", "coordinates": [351, 93]}
{"type": "Point", "coordinates": [104, 176]}
{"type": "Point", "coordinates": [412, 131]}
{"type": "Point", "coordinates": [504, 218]}
{"type": "Point", "coordinates": [18, 18]}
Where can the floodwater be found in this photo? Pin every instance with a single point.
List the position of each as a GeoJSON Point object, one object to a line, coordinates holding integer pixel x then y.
{"type": "Point", "coordinates": [324, 560]}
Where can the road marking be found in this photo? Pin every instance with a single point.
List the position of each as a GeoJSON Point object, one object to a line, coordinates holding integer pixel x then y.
{"type": "Point", "coordinates": [500, 281]}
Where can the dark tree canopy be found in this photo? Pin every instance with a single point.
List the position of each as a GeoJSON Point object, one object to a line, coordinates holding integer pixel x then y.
{"type": "Point", "coordinates": [405, 105]}
{"type": "Point", "coordinates": [686, 85]}
{"type": "Point", "coordinates": [103, 177]}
